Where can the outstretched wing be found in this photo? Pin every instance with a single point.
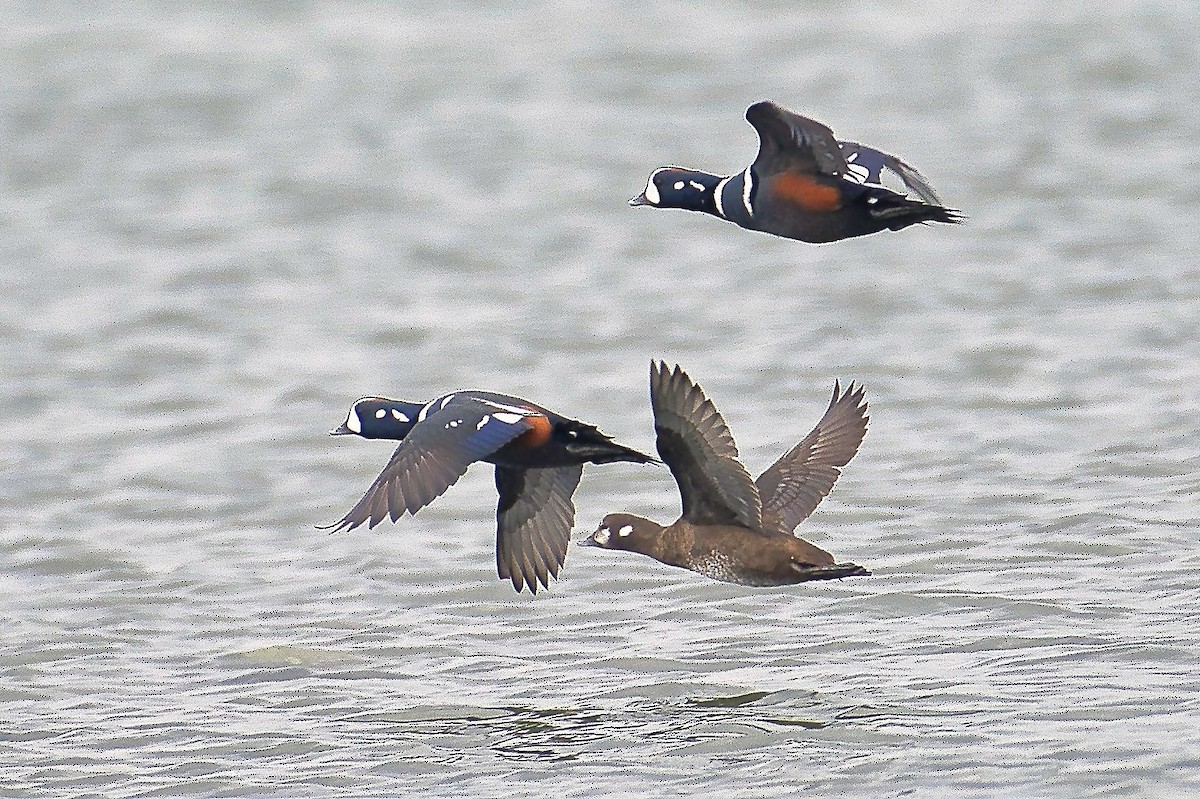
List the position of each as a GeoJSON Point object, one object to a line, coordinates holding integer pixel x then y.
{"type": "Point", "coordinates": [533, 523]}
{"type": "Point", "coordinates": [789, 142]}
{"type": "Point", "coordinates": [695, 443]}
{"type": "Point", "coordinates": [456, 431]}
{"type": "Point", "coordinates": [796, 483]}
{"type": "Point", "coordinates": [867, 165]}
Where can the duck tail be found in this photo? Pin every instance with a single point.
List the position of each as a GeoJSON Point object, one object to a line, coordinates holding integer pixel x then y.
{"type": "Point", "coordinates": [898, 212]}
{"type": "Point", "coordinates": [835, 572]}
{"type": "Point", "coordinates": [588, 443]}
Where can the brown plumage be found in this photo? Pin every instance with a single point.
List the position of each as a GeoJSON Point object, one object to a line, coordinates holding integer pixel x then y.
{"type": "Point", "coordinates": [734, 528]}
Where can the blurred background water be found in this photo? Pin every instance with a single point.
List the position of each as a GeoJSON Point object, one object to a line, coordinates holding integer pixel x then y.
{"type": "Point", "coordinates": [220, 223]}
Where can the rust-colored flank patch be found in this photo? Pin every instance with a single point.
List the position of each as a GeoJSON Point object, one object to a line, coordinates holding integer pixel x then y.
{"type": "Point", "coordinates": [538, 433]}
{"type": "Point", "coordinates": [804, 191]}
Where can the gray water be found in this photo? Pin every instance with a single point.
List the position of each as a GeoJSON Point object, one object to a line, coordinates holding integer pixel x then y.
{"type": "Point", "coordinates": [221, 223]}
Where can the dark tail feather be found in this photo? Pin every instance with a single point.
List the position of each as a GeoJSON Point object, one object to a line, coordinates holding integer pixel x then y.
{"type": "Point", "coordinates": [898, 212]}
{"type": "Point", "coordinates": [835, 572]}
{"type": "Point", "coordinates": [608, 452]}
{"type": "Point", "coordinates": [595, 447]}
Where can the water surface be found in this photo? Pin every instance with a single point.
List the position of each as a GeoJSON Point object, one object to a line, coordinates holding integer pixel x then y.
{"type": "Point", "coordinates": [219, 225]}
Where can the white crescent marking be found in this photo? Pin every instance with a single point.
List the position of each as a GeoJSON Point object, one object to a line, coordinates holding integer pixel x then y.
{"type": "Point", "coordinates": [651, 192]}
{"type": "Point", "coordinates": [511, 408]}
{"type": "Point", "coordinates": [717, 196]}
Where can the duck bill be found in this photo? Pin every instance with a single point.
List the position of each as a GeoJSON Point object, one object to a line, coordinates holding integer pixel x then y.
{"type": "Point", "coordinates": [341, 430]}
{"type": "Point", "coordinates": [589, 542]}
{"type": "Point", "coordinates": [639, 200]}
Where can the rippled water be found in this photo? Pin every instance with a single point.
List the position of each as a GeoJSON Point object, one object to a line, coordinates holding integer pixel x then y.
{"type": "Point", "coordinates": [220, 225]}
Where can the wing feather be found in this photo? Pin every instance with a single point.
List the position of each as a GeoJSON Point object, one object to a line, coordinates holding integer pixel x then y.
{"type": "Point", "coordinates": [533, 523]}
{"type": "Point", "coordinates": [432, 457]}
{"type": "Point", "coordinates": [790, 142]}
{"type": "Point", "coordinates": [875, 162]}
{"type": "Point", "coordinates": [695, 443]}
{"type": "Point", "coordinates": [796, 483]}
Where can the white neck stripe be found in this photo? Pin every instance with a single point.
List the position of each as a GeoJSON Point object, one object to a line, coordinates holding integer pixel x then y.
{"type": "Point", "coordinates": [747, 187]}
{"type": "Point", "coordinates": [717, 196]}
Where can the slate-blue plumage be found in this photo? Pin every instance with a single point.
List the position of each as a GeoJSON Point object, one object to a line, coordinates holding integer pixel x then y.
{"type": "Point", "coordinates": [538, 454]}
{"type": "Point", "coordinates": [804, 184]}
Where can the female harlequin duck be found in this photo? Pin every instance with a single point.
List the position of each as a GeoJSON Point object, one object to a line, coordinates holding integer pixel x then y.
{"type": "Point", "coordinates": [733, 528]}
{"type": "Point", "coordinates": [539, 457]}
{"type": "Point", "coordinates": [804, 184]}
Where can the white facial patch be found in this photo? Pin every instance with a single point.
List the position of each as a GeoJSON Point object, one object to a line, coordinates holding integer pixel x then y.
{"type": "Point", "coordinates": [398, 416]}
{"type": "Point", "coordinates": [651, 192]}
{"type": "Point", "coordinates": [602, 535]}
{"type": "Point", "coordinates": [626, 530]}
{"type": "Point", "coordinates": [694, 185]}
{"type": "Point", "coordinates": [382, 412]}
{"type": "Point", "coordinates": [679, 185]}
{"type": "Point", "coordinates": [352, 421]}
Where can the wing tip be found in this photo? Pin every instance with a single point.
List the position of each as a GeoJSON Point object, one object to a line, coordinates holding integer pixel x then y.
{"type": "Point", "coordinates": [661, 369]}
{"type": "Point", "coordinates": [854, 396]}
{"type": "Point", "coordinates": [343, 524]}
{"type": "Point", "coordinates": [761, 106]}
{"type": "Point", "coordinates": [531, 546]}
{"type": "Point", "coordinates": [522, 580]}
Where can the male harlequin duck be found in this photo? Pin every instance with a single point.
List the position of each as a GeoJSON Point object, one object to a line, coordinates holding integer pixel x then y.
{"type": "Point", "coordinates": [733, 528]}
{"type": "Point", "coordinates": [539, 457]}
{"type": "Point", "coordinates": [804, 184]}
